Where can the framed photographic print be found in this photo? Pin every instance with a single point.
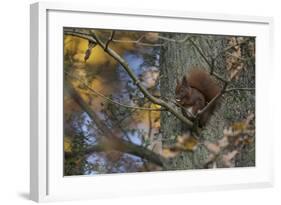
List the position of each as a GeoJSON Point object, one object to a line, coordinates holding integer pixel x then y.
{"type": "Point", "coordinates": [127, 102]}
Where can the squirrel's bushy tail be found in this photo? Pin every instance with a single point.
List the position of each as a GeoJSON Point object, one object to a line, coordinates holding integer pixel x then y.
{"type": "Point", "coordinates": [201, 80]}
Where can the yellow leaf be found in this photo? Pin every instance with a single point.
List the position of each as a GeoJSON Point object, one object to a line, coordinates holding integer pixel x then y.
{"type": "Point", "coordinates": [239, 126]}
{"type": "Point", "coordinates": [169, 152]}
{"type": "Point", "coordinates": [67, 144]}
{"type": "Point", "coordinates": [155, 106]}
{"type": "Point", "coordinates": [186, 142]}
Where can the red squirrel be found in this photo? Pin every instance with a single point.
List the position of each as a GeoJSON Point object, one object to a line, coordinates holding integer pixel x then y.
{"type": "Point", "coordinates": [195, 91]}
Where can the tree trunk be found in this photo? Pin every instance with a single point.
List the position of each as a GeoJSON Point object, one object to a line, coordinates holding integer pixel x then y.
{"type": "Point", "coordinates": [175, 60]}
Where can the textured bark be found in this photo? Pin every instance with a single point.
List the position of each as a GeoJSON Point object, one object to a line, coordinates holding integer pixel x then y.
{"type": "Point", "coordinates": [175, 60]}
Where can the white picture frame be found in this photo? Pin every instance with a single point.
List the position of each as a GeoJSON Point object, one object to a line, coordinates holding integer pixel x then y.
{"type": "Point", "coordinates": [47, 182]}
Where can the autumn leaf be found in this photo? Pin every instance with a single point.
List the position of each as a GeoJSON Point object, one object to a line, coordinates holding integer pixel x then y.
{"type": "Point", "coordinates": [67, 146]}
{"type": "Point", "coordinates": [234, 63]}
{"type": "Point", "coordinates": [223, 142]}
{"type": "Point", "coordinates": [88, 52]}
{"type": "Point", "coordinates": [239, 126]}
{"type": "Point", "coordinates": [184, 143]}
{"type": "Point", "coordinates": [235, 137]}
{"type": "Point", "coordinates": [228, 158]}
{"type": "Point", "coordinates": [249, 119]}
{"type": "Point", "coordinates": [212, 147]}
{"type": "Point", "coordinates": [151, 36]}
{"type": "Point", "coordinates": [169, 152]}
{"type": "Point", "coordinates": [187, 143]}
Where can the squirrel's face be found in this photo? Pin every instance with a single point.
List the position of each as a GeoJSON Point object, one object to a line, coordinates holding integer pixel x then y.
{"type": "Point", "coordinates": [182, 91]}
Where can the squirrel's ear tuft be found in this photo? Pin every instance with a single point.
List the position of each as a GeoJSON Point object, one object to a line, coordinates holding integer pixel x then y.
{"type": "Point", "coordinates": [184, 80]}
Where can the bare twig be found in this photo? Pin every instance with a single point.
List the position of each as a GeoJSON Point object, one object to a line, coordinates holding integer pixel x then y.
{"type": "Point", "coordinates": [110, 39]}
{"type": "Point", "coordinates": [113, 117]}
{"type": "Point", "coordinates": [145, 92]}
{"type": "Point", "coordinates": [223, 91]}
{"type": "Point", "coordinates": [192, 116]}
{"type": "Point", "coordinates": [139, 41]}
{"type": "Point", "coordinates": [73, 32]}
{"type": "Point", "coordinates": [200, 52]}
{"type": "Point", "coordinates": [239, 89]}
{"type": "Point", "coordinates": [174, 40]}
{"type": "Point", "coordinates": [110, 100]}
{"type": "Point", "coordinates": [210, 64]}
{"type": "Point", "coordinates": [225, 81]}
{"type": "Point", "coordinates": [124, 118]}
{"type": "Point", "coordinates": [93, 37]}
{"type": "Point", "coordinates": [110, 140]}
{"type": "Point", "coordinates": [220, 78]}
{"type": "Point", "coordinates": [231, 47]}
{"type": "Point", "coordinates": [149, 124]}
{"type": "Point", "coordinates": [212, 102]}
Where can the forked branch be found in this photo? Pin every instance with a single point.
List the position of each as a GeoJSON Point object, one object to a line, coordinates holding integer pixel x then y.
{"type": "Point", "coordinates": [91, 36]}
{"type": "Point", "coordinates": [110, 141]}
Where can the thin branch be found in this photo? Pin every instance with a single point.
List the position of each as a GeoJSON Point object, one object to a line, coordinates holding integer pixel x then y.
{"type": "Point", "coordinates": [73, 32]}
{"type": "Point", "coordinates": [149, 124]}
{"type": "Point", "coordinates": [192, 116]}
{"type": "Point", "coordinates": [239, 89]}
{"type": "Point", "coordinates": [124, 118]}
{"type": "Point", "coordinates": [200, 52]}
{"type": "Point", "coordinates": [210, 64]}
{"type": "Point", "coordinates": [110, 100]}
{"type": "Point", "coordinates": [139, 43]}
{"type": "Point", "coordinates": [175, 40]}
{"type": "Point", "coordinates": [240, 58]}
{"type": "Point", "coordinates": [220, 78]}
{"type": "Point", "coordinates": [212, 102]}
{"type": "Point", "coordinates": [225, 81]}
{"type": "Point", "coordinates": [112, 118]}
{"type": "Point", "coordinates": [110, 39]}
{"type": "Point", "coordinates": [152, 44]}
{"type": "Point", "coordinates": [127, 147]}
{"type": "Point", "coordinates": [145, 92]}
{"type": "Point", "coordinates": [231, 47]}
{"type": "Point", "coordinates": [110, 140]}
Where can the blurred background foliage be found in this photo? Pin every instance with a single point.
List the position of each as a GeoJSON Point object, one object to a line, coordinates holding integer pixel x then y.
{"type": "Point", "coordinates": [100, 72]}
{"type": "Point", "coordinates": [105, 75]}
